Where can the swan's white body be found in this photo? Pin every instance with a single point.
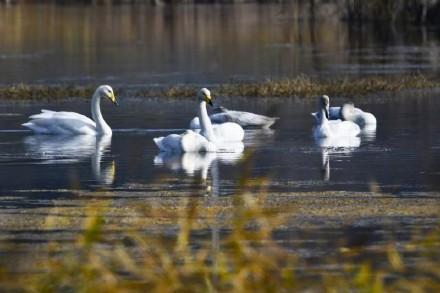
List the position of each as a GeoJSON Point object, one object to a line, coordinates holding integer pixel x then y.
{"type": "Point", "coordinates": [186, 142]}
{"type": "Point", "coordinates": [334, 128]}
{"type": "Point", "coordinates": [71, 123]}
{"type": "Point", "coordinates": [207, 139]}
{"type": "Point", "coordinates": [226, 132]}
{"type": "Point", "coordinates": [244, 119]}
{"type": "Point", "coordinates": [338, 142]}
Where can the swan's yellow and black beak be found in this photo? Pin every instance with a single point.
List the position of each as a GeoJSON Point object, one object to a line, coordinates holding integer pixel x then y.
{"type": "Point", "coordinates": [208, 99]}
{"type": "Point", "coordinates": [112, 98]}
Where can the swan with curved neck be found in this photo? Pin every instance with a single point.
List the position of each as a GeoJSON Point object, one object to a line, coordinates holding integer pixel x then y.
{"type": "Point", "coordinates": [218, 133]}
{"type": "Point", "coordinates": [70, 123]}
{"type": "Point", "coordinates": [106, 91]}
{"type": "Point", "coordinates": [348, 112]}
{"type": "Point", "coordinates": [205, 123]}
{"type": "Point", "coordinates": [333, 128]}
{"type": "Point", "coordinates": [208, 138]}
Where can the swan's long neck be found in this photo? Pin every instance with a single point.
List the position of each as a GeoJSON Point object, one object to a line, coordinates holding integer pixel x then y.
{"type": "Point", "coordinates": [323, 116]}
{"type": "Point", "coordinates": [205, 123]}
{"type": "Point", "coordinates": [101, 126]}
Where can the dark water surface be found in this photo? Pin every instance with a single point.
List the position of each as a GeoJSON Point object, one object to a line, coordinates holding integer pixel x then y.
{"type": "Point", "coordinates": [145, 44]}
{"type": "Point", "coordinates": [401, 157]}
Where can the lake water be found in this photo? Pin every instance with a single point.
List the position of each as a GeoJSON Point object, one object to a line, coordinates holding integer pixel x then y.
{"type": "Point", "coordinates": [401, 156]}
{"type": "Point", "coordinates": [143, 44]}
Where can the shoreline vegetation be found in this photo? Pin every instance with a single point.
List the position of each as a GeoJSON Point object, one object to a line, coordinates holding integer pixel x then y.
{"type": "Point", "coordinates": [300, 86]}
{"type": "Point", "coordinates": [352, 11]}
{"type": "Point", "coordinates": [112, 248]}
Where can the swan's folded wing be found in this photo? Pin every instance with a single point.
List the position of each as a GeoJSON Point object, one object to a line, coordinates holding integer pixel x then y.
{"type": "Point", "coordinates": [194, 123]}
{"type": "Point", "coordinates": [169, 143]}
{"type": "Point", "coordinates": [194, 142]}
{"type": "Point", "coordinates": [246, 119]}
{"type": "Point", "coordinates": [218, 118]}
{"type": "Point", "coordinates": [228, 131]}
{"type": "Point", "coordinates": [51, 122]}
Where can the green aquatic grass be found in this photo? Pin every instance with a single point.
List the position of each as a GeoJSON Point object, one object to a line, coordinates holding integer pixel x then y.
{"type": "Point", "coordinates": [300, 86]}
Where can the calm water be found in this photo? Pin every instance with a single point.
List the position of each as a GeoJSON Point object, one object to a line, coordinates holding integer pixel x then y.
{"type": "Point", "coordinates": [199, 44]}
{"type": "Point", "coordinates": [402, 156]}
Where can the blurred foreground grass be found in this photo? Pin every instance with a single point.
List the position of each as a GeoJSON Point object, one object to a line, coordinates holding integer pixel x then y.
{"type": "Point", "coordinates": [301, 86]}
{"type": "Point", "coordinates": [160, 244]}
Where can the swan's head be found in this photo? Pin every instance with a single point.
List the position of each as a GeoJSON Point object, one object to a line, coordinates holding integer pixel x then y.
{"type": "Point", "coordinates": [205, 95]}
{"type": "Point", "coordinates": [106, 91]}
{"type": "Point", "coordinates": [324, 104]}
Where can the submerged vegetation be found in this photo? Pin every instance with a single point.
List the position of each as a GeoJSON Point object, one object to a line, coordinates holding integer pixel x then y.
{"type": "Point", "coordinates": [301, 86]}
{"type": "Point", "coordinates": [243, 253]}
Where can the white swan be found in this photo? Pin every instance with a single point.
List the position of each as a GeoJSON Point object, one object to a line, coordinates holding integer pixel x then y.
{"type": "Point", "coordinates": [208, 138]}
{"type": "Point", "coordinates": [348, 112]}
{"type": "Point", "coordinates": [334, 128]}
{"type": "Point", "coordinates": [68, 123]}
{"type": "Point", "coordinates": [244, 119]}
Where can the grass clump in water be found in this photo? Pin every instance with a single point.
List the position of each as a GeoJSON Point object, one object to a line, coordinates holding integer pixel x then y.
{"type": "Point", "coordinates": [303, 86]}
{"type": "Point", "coordinates": [300, 86]}
{"type": "Point", "coordinates": [43, 92]}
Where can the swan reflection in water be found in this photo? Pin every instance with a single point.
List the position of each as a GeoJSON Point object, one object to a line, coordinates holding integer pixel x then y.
{"type": "Point", "coordinates": [202, 163]}
{"type": "Point", "coordinates": [368, 133]}
{"type": "Point", "coordinates": [335, 145]}
{"type": "Point", "coordinates": [59, 149]}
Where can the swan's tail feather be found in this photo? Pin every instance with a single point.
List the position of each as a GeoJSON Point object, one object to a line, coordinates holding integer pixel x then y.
{"type": "Point", "coordinates": [35, 128]}
{"type": "Point", "coordinates": [271, 121]}
{"type": "Point", "coordinates": [158, 142]}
